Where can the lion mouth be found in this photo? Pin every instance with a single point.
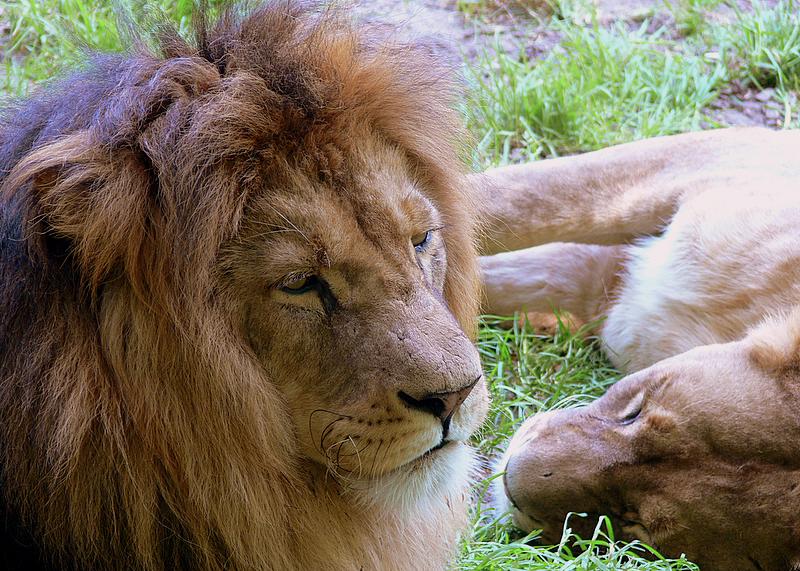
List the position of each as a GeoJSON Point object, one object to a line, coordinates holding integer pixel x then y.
{"type": "Point", "coordinates": [444, 443]}
{"type": "Point", "coordinates": [428, 456]}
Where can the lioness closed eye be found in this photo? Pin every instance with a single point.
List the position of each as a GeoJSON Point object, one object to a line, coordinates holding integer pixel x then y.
{"type": "Point", "coordinates": [698, 451]}
{"type": "Point", "coordinates": [238, 285]}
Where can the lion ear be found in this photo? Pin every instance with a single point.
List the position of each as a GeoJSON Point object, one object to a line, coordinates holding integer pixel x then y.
{"type": "Point", "coordinates": [775, 344]}
{"type": "Point", "coordinates": [94, 200]}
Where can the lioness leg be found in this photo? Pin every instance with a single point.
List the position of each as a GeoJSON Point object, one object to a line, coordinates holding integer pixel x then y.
{"type": "Point", "coordinates": [577, 278]}
{"type": "Point", "coordinates": [614, 195]}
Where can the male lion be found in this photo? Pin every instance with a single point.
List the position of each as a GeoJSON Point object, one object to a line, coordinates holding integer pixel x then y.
{"type": "Point", "coordinates": [699, 450]}
{"type": "Point", "coordinates": [237, 288]}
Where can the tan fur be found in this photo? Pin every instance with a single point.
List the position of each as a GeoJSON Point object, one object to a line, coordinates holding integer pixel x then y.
{"type": "Point", "coordinates": [687, 247]}
{"type": "Point", "coordinates": [192, 414]}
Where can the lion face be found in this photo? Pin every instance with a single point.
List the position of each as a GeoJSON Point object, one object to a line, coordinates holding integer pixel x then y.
{"type": "Point", "coordinates": [677, 454]}
{"type": "Point", "coordinates": [342, 299]}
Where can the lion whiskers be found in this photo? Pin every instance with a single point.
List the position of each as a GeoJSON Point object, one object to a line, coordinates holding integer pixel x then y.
{"type": "Point", "coordinates": [422, 484]}
{"type": "Point", "coordinates": [334, 464]}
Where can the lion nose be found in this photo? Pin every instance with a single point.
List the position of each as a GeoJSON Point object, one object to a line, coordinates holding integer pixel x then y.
{"type": "Point", "coordinates": [440, 405]}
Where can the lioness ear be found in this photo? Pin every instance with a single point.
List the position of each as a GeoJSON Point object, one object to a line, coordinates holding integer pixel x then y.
{"type": "Point", "coordinates": [775, 344]}
{"type": "Point", "coordinates": [94, 200]}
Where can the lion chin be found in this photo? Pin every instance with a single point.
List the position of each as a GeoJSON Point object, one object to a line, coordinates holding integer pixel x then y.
{"type": "Point", "coordinates": [422, 483]}
{"type": "Point", "coordinates": [239, 285]}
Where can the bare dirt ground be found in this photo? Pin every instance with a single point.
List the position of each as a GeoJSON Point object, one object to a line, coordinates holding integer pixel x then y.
{"type": "Point", "coordinates": [443, 24]}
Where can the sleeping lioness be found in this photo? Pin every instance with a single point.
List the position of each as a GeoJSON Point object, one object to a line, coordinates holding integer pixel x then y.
{"type": "Point", "coordinates": [687, 249]}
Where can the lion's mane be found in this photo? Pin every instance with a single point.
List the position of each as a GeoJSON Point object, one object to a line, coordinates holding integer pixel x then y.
{"type": "Point", "coordinates": [136, 428]}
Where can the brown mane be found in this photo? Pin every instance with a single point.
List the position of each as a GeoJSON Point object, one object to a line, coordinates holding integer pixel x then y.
{"type": "Point", "coordinates": [138, 431]}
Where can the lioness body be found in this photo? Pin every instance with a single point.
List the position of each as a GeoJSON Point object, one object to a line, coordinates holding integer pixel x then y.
{"type": "Point", "coordinates": [726, 202]}
{"type": "Point", "coordinates": [728, 258]}
{"type": "Point", "coordinates": [693, 450]}
{"type": "Point", "coordinates": [237, 289]}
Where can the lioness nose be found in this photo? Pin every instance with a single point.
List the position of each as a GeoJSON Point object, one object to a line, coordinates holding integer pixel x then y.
{"type": "Point", "coordinates": [440, 405]}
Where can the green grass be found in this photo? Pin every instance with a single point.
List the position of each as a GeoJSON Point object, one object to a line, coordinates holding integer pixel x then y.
{"type": "Point", "coordinates": [602, 85]}
{"type": "Point", "coordinates": [49, 35]}
{"type": "Point", "coordinates": [529, 372]}
{"type": "Point", "coordinates": [610, 84]}
{"type": "Point", "coordinates": [764, 45]}
{"type": "Point", "coordinates": [691, 16]}
{"type": "Point", "coordinates": [495, 547]}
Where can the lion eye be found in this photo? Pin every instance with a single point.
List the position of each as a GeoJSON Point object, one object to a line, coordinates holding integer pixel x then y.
{"type": "Point", "coordinates": [299, 285]}
{"type": "Point", "coordinates": [421, 240]}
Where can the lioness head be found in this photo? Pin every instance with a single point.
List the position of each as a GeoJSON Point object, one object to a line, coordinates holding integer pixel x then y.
{"type": "Point", "coordinates": [241, 286]}
{"type": "Point", "coordinates": [699, 446]}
